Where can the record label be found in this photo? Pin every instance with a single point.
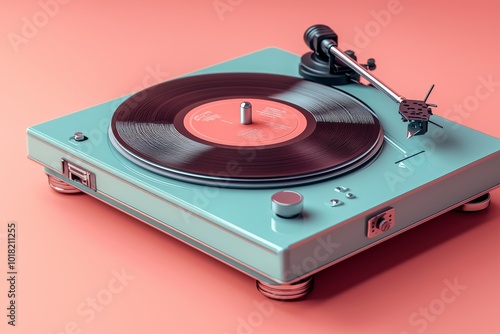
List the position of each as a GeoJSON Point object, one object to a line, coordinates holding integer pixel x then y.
{"type": "Point", "coordinates": [219, 122]}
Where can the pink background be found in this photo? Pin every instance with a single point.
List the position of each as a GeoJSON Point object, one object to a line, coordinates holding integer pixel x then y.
{"type": "Point", "coordinates": [70, 248]}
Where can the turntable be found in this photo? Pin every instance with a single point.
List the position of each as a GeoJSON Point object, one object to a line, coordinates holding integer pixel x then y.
{"type": "Point", "coordinates": [275, 175]}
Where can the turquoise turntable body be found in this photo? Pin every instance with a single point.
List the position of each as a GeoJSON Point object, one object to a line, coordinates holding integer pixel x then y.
{"type": "Point", "coordinates": [408, 182]}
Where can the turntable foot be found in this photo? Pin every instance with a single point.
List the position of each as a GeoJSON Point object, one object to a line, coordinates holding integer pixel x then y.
{"type": "Point", "coordinates": [60, 186]}
{"type": "Point", "coordinates": [477, 204]}
{"type": "Point", "coordinates": [286, 292]}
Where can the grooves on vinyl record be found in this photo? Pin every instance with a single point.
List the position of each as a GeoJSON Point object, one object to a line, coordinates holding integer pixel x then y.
{"type": "Point", "coordinates": [326, 132]}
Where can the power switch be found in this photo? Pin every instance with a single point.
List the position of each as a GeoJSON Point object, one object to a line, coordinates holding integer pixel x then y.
{"type": "Point", "coordinates": [383, 224]}
{"type": "Point", "coordinates": [380, 223]}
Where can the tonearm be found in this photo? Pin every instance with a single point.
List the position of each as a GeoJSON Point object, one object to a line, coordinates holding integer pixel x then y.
{"type": "Point", "coordinates": [329, 65]}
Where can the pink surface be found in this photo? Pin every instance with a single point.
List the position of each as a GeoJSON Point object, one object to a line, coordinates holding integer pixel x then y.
{"type": "Point", "coordinates": [84, 267]}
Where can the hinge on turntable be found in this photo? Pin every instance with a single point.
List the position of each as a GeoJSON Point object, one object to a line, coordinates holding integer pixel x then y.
{"type": "Point", "coordinates": [329, 65]}
{"type": "Point", "coordinates": [78, 174]}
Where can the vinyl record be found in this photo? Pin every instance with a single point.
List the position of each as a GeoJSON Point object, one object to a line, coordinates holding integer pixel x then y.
{"type": "Point", "coordinates": [190, 129]}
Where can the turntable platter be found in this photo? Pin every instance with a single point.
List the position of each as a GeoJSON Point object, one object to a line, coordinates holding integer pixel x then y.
{"type": "Point", "coordinates": [191, 129]}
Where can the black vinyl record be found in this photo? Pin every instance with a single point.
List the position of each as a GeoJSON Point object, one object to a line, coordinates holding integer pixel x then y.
{"type": "Point", "coordinates": [302, 131]}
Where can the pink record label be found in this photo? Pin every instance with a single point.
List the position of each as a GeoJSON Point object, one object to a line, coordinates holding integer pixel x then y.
{"type": "Point", "coordinates": [219, 122]}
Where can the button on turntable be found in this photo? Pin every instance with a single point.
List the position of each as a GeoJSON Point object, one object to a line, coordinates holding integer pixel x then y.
{"type": "Point", "coordinates": [336, 202]}
{"type": "Point", "coordinates": [287, 204]}
{"type": "Point", "coordinates": [341, 189]}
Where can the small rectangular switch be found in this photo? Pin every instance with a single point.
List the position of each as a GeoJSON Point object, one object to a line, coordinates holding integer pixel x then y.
{"type": "Point", "coordinates": [381, 223]}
